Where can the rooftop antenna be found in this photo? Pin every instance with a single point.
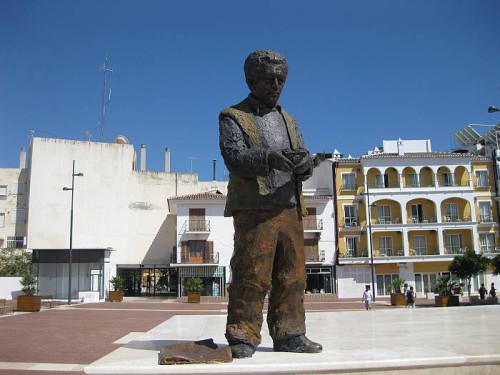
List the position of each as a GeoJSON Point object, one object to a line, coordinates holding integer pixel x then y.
{"type": "Point", "coordinates": [191, 158]}
{"type": "Point", "coordinates": [88, 134]}
{"type": "Point", "coordinates": [105, 69]}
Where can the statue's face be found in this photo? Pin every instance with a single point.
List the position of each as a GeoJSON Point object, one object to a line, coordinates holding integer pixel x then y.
{"type": "Point", "coordinates": [268, 84]}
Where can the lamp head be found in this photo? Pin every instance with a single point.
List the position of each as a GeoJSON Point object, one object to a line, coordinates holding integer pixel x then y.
{"type": "Point", "coordinates": [492, 109]}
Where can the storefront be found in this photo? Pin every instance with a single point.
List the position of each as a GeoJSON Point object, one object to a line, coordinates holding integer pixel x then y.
{"type": "Point", "coordinates": [319, 280]}
{"type": "Point", "coordinates": [89, 271]}
{"type": "Point", "coordinates": [148, 279]}
{"type": "Point", "coordinates": [214, 279]}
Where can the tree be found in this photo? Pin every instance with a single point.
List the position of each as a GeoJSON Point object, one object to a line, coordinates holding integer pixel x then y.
{"type": "Point", "coordinates": [468, 265]}
{"type": "Point", "coordinates": [495, 262]}
{"type": "Point", "coordinates": [15, 262]}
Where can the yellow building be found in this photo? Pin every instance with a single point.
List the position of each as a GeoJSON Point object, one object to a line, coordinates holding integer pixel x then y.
{"type": "Point", "coordinates": [407, 211]}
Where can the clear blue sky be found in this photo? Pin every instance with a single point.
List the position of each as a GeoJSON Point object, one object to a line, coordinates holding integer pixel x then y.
{"type": "Point", "coordinates": [360, 71]}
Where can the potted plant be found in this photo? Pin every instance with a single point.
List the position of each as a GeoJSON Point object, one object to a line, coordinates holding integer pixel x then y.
{"type": "Point", "coordinates": [29, 301]}
{"type": "Point", "coordinates": [193, 287]}
{"type": "Point", "coordinates": [397, 297]}
{"type": "Point", "coordinates": [444, 287]}
{"type": "Point", "coordinates": [116, 295]}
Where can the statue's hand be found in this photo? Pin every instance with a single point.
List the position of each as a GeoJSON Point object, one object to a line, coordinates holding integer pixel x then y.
{"type": "Point", "coordinates": [304, 166]}
{"type": "Point", "coordinates": [278, 161]}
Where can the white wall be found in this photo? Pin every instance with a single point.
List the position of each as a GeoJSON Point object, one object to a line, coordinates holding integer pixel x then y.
{"type": "Point", "coordinates": [114, 205]}
{"type": "Point", "coordinates": [13, 201]}
{"type": "Point", "coordinates": [10, 287]}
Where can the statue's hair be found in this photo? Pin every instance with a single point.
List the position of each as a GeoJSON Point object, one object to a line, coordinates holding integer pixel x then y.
{"type": "Point", "coordinates": [258, 59]}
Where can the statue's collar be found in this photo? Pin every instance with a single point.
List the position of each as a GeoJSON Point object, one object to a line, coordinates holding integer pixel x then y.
{"type": "Point", "coordinates": [259, 108]}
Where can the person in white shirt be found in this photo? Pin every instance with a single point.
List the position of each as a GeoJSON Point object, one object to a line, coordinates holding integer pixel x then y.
{"type": "Point", "coordinates": [367, 298]}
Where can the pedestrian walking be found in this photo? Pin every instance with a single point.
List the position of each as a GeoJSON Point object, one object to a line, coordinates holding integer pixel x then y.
{"type": "Point", "coordinates": [482, 291]}
{"type": "Point", "coordinates": [367, 298]}
{"type": "Point", "coordinates": [492, 290]}
{"type": "Point", "coordinates": [410, 298]}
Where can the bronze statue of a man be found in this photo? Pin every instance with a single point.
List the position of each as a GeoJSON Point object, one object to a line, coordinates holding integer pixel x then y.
{"type": "Point", "coordinates": [265, 154]}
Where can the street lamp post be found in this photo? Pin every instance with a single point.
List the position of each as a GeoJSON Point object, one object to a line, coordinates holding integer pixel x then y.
{"type": "Point", "coordinates": [72, 188]}
{"type": "Point", "coordinates": [370, 239]}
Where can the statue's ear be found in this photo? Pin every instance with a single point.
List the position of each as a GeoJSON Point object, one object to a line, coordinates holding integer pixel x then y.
{"type": "Point", "coordinates": [250, 82]}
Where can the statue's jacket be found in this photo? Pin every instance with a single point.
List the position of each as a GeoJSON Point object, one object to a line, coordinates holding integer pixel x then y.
{"type": "Point", "coordinates": [252, 183]}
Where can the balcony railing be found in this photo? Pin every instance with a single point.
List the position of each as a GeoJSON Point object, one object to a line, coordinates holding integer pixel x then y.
{"type": "Point", "coordinates": [350, 222]}
{"type": "Point", "coordinates": [197, 225]}
{"type": "Point", "coordinates": [348, 187]}
{"type": "Point", "coordinates": [313, 224]}
{"type": "Point", "coordinates": [486, 219]}
{"type": "Point", "coordinates": [318, 256]}
{"type": "Point", "coordinates": [211, 258]}
{"type": "Point", "coordinates": [456, 219]}
{"type": "Point", "coordinates": [354, 254]}
{"type": "Point", "coordinates": [490, 250]}
{"type": "Point", "coordinates": [423, 252]}
{"type": "Point", "coordinates": [16, 242]}
{"type": "Point", "coordinates": [455, 250]}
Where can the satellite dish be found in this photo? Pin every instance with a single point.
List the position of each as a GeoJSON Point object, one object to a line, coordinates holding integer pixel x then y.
{"type": "Point", "coordinates": [121, 140]}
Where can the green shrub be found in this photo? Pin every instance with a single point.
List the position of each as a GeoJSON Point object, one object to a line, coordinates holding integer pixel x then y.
{"type": "Point", "coordinates": [194, 284]}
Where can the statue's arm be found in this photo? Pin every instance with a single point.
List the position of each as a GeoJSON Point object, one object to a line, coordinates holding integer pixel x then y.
{"type": "Point", "coordinates": [240, 159]}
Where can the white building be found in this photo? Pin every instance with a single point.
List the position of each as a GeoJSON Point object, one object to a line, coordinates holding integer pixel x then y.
{"type": "Point", "coordinates": [121, 221]}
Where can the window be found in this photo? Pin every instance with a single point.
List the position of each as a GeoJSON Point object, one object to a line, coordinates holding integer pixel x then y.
{"type": "Point", "coordinates": [453, 243]}
{"type": "Point", "coordinates": [18, 188]}
{"type": "Point", "coordinates": [350, 214]}
{"type": "Point", "coordinates": [487, 242]}
{"type": "Point", "coordinates": [384, 214]}
{"type": "Point", "coordinates": [2, 220]}
{"type": "Point", "coordinates": [419, 245]}
{"type": "Point", "coordinates": [3, 191]}
{"type": "Point", "coordinates": [385, 246]}
{"type": "Point", "coordinates": [311, 249]}
{"type": "Point", "coordinates": [349, 181]}
{"type": "Point", "coordinates": [381, 181]}
{"type": "Point", "coordinates": [18, 216]}
{"type": "Point", "coordinates": [413, 180]}
{"type": "Point", "coordinates": [451, 212]}
{"type": "Point", "coordinates": [197, 252]}
{"type": "Point", "coordinates": [482, 179]}
{"type": "Point", "coordinates": [383, 284]}
{"type": "Point", "coordinates": [197, 222]}
{"type": "Point", "coordinates": [351, 244]}
{"type": "Point", "coordinates": [484, 212]}
{"type": "Point", "coordinates": [417, 213]}
{"type": "Point", "coordinates": [448, 179]}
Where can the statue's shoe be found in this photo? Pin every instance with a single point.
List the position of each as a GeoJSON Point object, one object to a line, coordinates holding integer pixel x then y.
{"type": "Point", "coordinates": [298, 344]}
{"type": "Point", "coordinates": [242, 350]}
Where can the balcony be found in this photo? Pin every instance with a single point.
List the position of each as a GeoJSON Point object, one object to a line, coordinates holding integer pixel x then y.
{"type": "Point", "coordinates": [315, 257]}
{"type": "Point", "coordinates": [312, 225]}
{"type": "Point", "coordinates": [389, 253]}
{"type": "Point", "coordinates": [16, 242]}
{"type": "Point", "coordinates": [456, 219]}
{"type": "Point", "coordinates": [196, 226]}
{"type": "Point", "coordinates": [454, 250]}
{"type": "Point", "coordinates": [211, 258]}
{"type": "Point", "coordinates": [423, 252]}
{"type": "Point", "coordinates": [350, 222]}
{"type": "Point", "coordinates": [486, 219]}
{"type": "Point", "coordinates": [490, 250]}
{"type": "Point", "coordinates": [350, 253]}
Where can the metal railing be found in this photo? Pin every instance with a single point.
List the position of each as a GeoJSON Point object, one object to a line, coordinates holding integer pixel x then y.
{"type": "Point", "coordinates": [489, 250]}
{"type": "Point", "coordinates": [354, 254]}
{"type": "Point", "coordinates": [312, 224]}
{"type": "Point", "coordinates": [350, 222]}
{"type": "Point", "coordinates": [211, 258]}
{"type": "Point", "coordinates": [318, 256]}
{"type": "Point", "coordinates": [197, 225]}
{"type": "Point", "coordinates": [486, 219]}
{"type": "Point", "coordinates": [16, 242]}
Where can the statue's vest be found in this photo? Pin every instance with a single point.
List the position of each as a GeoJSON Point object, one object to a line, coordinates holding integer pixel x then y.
{"type": "Point", "coordinates": [246, 187]}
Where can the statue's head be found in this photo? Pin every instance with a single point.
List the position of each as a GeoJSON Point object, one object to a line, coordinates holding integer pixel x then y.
{"type": "Point", "coordinates": [265, 73]}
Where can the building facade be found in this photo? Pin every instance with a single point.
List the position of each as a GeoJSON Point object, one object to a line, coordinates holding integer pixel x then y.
{"type": "Point", "coordinates": [407, 211]}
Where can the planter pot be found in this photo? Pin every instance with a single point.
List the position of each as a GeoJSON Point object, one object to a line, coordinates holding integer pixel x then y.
{"type": "Point", "coordinates": [398, 299]}
{"type": "Point", "coordinates": [115, 296]}
{"type": "Point", "coordinates": [29, 303]}
{"type": "Point", "coordinates": [194, 297]}
{"type": "Point", "coordinates": [445, 301]}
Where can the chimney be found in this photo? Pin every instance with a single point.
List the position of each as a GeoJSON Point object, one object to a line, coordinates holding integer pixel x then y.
{"type": "Point", "coordinates": [22, 158]}
{"type": "Point", "coordinates": [167, 159]}
{"type": "Point", "coordinates": [213, 170]}
{"type": "Point", "coordinates": [143, 158]}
